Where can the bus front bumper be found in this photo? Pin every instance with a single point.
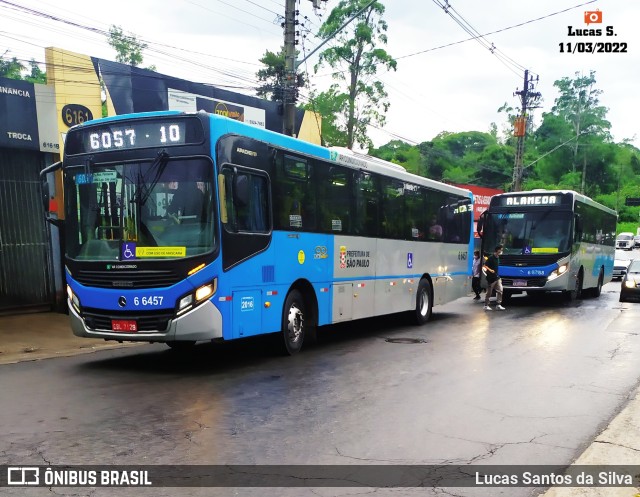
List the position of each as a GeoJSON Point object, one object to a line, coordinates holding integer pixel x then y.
{"type": "Point", "coordinates": [536, 284]}
{"type": "Point", "coordinates": [204, 323]}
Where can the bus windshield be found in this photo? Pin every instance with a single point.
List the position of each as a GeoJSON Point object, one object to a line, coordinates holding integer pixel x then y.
{"type": "Point", "coordinates": [530, 232]}
{"type": "Point", "coordinates": [153, 209]}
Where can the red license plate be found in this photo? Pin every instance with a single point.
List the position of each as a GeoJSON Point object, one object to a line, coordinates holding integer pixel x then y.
{"type": "Point", "coordinates": [519, 283]}
{"type": "Point", "coordinates": [124, 325]}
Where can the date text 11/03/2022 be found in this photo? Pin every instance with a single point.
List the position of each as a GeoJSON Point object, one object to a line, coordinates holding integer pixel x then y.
{"type": "Point", "coordinates": [593, 47]}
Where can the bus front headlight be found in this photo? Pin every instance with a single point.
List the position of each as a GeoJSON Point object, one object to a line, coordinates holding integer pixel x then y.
{"type": "Point", "coordinates": [558, 272]}
{"type": "Point", "coordinates": [630, 283]}
{"type": "Point", "coordinates": [192, 299]}
{"type": "Point", "coordinates": [73, 298]}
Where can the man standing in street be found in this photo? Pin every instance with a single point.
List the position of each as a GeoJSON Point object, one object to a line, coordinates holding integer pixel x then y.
{"type": "Point", "coordinates": [475, 272]}
{"type": "Point", "coordinates": [491, 266]}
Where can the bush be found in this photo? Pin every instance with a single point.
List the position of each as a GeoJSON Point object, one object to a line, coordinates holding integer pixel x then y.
{"type": "Point", "coordinates": [627, 228]}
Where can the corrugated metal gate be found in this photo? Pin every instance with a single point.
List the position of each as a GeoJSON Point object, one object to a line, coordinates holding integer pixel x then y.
{"type": "Point", "coordinates": [25, 272]}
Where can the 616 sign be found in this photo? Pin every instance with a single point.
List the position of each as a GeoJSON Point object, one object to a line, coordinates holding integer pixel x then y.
{"type": "Point", "coordinates": [73, 114]}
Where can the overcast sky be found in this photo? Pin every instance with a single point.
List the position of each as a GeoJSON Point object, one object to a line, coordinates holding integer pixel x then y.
{"type": "Point", "coordinates": [435, 88]}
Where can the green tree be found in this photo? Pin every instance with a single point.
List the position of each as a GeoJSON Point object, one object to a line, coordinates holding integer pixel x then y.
{"type": "Point", "coordinates": [329, 105]}
{"type": "Point", "coordinates": [404, 154]}
{"type": "Point", "coordinates": [356, 57]}
{"type": "Point", "coordinates": [36, 75]}
{"type": "Point", "coordinates": [14, 69]}
{"type": "Point", "coordinates": [127, 46]}
{"type": "Point", "coordinates": [578, 104]}
{"type": "Point", "coordinates": [272, 75]}
{"type": "Point", "coordinates": [11, 68]}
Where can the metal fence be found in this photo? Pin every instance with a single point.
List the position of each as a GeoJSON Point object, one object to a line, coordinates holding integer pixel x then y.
{"type": "Point", "coordinates": [25, 262]}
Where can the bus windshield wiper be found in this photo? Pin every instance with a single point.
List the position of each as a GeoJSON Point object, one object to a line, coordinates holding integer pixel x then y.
{"type": "Point", "coordinates": [157, 167]}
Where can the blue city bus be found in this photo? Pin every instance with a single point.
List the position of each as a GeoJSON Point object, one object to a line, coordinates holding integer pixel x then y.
{"type": "Point", "coordinates": [188, 227]}
{"type": "Point", "coordinates": [554, 241]}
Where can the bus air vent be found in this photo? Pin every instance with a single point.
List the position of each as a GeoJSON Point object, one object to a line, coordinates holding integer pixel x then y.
{"type": "Point", "coordinates": [268, 274]}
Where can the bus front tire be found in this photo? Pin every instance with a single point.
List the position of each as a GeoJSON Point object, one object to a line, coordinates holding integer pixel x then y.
{"type": "Point", "coordinates": [424, 303]}
{"type": "Point", "coordinates": [576, 293]}
{"type": "Point", "coordinates": [293, 323]}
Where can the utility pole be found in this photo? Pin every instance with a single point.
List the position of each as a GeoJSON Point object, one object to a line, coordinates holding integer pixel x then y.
{"type": "Point", "coordinates": [290, 79]}
{"type": "Point", "coordinates": [528, 99]}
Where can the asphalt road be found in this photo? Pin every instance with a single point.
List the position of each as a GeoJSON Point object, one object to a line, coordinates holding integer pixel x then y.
{"type": "Point", "coordinates": [532, 385]}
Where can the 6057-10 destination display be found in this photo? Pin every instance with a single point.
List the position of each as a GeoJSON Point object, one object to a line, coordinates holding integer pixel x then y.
{"type": "Point", "coordinates": [146, 134]}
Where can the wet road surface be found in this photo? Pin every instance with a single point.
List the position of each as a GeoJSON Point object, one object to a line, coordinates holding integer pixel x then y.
{"type": "Point", "coordinates": [532, 385]}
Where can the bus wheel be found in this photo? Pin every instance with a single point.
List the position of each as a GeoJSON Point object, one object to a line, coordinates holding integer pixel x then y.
{"type": "Point", "coordinates": [576, 293]}
{"type": "Point", "coordinates": [423, 302]}
{"type": "Point", "coordinates": [181, 345]}
{"type": "Point", "coordinates": [595, 292]}
{"type": "Point", "coordinates": [293, 322]}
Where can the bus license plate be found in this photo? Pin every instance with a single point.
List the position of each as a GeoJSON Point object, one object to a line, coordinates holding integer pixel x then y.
{"type": "Point", "coordinates": [519, 283]}
{"type": "Point", "coordinates": [124, 325]}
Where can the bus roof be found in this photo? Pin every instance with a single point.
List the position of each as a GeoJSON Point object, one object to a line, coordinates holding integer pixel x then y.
{"type": "Point", "coordinates": [339, 155]}
{"type": "Point", "coordinates": [577, 196]}
{"type": "Point", "coordinates": [342, 156]}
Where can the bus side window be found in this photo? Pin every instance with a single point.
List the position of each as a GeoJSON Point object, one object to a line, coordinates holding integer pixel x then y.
{"type": "Point", "coordinates": [246, 202]}
{"type": "Point", "coordinates": [365, 218]}
{"type": "Point", "coordinates": [334, 195]}
{"type": "Point", "coordinates": [393, 208]}
{"type": "Point", "coordinates": [415, 205]}
{"type": "Point", "coordinates": [435, 229]}
{"type": "Point", "coordinates": [295, 198]}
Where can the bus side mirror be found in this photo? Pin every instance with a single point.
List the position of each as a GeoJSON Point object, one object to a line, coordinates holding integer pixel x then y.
{"type": "Point", "coordinates": [480, 224]}
{"type": "Point", "coordinates": [46, 196]}
{"type": "Point", "coordinates": [49, 202]}
{"type": "Point", "coordinates": [241, 189]}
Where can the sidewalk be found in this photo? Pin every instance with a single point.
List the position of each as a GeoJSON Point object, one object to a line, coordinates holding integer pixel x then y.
{"type": "Point", "coordinates": [29, 337]}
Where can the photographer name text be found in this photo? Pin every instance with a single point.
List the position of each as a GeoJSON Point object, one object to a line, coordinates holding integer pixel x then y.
{"type": "Point", "coordinates": [603, 478]}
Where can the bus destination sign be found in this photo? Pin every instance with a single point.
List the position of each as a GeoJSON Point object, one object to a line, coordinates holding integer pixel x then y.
{"type": "Point", "coordinates": [531, 200]}
{"type": "Point", "coordinates": [127, 135]}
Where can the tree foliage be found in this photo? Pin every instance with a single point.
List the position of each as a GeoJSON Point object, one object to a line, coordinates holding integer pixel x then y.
{"type": "Point", "coordinates": [14, 69]}
{"type": "Point", "coordinates": [272, 75]}
{"type": "Point", "coordinates": [356, 56]}
{"type": "Point", "coordinates": [329, 105]}
{"type": "Point", "coordinates": [127, 46]}
{"type": "Point", "coordinates": [571, 149]}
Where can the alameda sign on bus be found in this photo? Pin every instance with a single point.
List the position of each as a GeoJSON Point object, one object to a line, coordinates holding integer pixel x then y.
{"type": "Point", "coordinates": [531, 200]}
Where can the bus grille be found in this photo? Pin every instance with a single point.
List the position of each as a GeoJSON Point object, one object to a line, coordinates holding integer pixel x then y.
{"type": "Point", "coordinates": [531, 282]}
{"type": "Point", "coordinates": [97, 319]}
{"type": "Point", "coordinates": [529, 260]}
{"type": "Point", "coordinates": [128, 279]}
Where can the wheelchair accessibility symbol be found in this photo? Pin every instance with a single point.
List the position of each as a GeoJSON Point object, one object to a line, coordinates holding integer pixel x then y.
{"type": "Point", "coordinates": [128, 251]}
{"type": "Point", "coordinates": [409, 260]}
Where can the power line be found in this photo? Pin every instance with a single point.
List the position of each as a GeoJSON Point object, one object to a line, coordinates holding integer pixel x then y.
{"type": "Point", "coordinates": [498, 30]}
{"type": "Point", "coordinates": [468, 28]}
{"type": "Point", "coordinates": [246, 77]}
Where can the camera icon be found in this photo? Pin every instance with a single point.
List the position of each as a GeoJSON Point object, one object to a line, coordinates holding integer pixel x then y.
{"type": "Point", "coordinates": [593, 17]}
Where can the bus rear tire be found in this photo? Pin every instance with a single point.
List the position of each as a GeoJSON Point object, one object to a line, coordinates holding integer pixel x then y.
{"type": "Point", "coordinates": [293, 323]}
{"type": "Point", "coordinates": [597, 290]}
{"type": "Point", "coordinates": [424, 302]}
